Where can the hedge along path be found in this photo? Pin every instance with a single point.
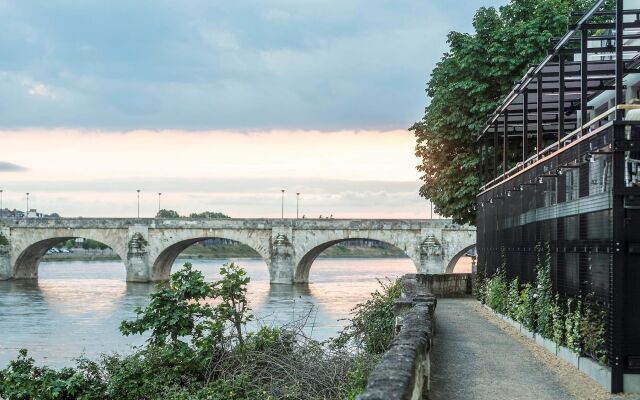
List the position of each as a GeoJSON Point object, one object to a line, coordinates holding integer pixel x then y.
{"type": "Point", "coordinates": [577, 384]}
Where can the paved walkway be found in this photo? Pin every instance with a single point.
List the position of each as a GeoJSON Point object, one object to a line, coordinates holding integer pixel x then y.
{"type": "Point", "coordinates": [472, 358]}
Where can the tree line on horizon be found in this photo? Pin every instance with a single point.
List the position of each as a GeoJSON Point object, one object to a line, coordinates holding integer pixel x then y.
{"type": "Point", "coordinates": [202, 215]}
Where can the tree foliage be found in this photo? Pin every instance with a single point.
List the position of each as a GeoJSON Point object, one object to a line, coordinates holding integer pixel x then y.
{"type": "Point", "coordinates": [468, 84]}
{"type": "Point", "coordinates": [167, 214]}
{"type": "Point", "coordinates": [209, 215]}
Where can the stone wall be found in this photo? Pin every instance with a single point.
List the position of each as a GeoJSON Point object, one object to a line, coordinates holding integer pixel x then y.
{"type": "Point", "coordinates": [404, 370]}
{"type": "Point", "coordinates": [446, 285]}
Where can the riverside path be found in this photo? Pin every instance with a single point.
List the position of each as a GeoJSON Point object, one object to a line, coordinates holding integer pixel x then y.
{"type": "Point", "coordinates": [475, 357]}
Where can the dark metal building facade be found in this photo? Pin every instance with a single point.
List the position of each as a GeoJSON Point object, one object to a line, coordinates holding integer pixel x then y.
{"type": "Point", "coordinates": [561, 164]}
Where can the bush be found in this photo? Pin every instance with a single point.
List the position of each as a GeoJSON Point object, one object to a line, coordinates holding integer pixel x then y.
{"type": "Point", "coordinates": [543, 292]}
{"type": "Point", "coordinates": [558, 318]}
{"type": "Point", "coordinates": [373, 322]}
{"type": "Point", "coordinates": [593, 332]}
{"type": "Point", "coordinates": [23, 380]}
{"type": "Point", "coordinates": [513, 299]}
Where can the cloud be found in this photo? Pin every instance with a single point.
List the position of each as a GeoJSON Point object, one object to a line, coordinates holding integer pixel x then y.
{"type": "Point", "coordinates": [123, 65]}
{"type": "Point", "coordinates": [10, 167]}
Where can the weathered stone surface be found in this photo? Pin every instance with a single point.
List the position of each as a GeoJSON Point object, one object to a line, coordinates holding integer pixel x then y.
{"type": "Point", "coordinates": [149, 247]}
{"type": "Point", "coordinates": [446, 285]}
{"type": "Point", "coordinates": [403, 372]}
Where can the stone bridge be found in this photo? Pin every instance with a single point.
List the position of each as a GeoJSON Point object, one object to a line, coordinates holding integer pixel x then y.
{"type": "Point", "coordinates": [149, 247]}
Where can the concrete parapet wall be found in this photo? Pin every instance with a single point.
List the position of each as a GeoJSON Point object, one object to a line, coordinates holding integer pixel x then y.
{"type": "Point", "coordinates": [446, 285]}
{"type": "Point", "coordinates": [404, 370]}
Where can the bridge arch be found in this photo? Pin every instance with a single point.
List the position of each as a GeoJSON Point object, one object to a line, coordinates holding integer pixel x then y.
{"type": "Point", "coordinates": [303, 266]}
{"type": "Point", "coordinates": [163, 262]}
{"type": "Point", "coordinates": [454, 260]}
{"type": "Point", "coordinates": [27, 261]}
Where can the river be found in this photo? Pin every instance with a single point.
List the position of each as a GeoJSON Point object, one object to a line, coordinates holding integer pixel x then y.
{"type": "Point", "coordinates": [76, 307]}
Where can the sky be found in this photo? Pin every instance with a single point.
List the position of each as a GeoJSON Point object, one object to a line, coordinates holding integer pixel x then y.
{"type": "Point", "coordinates": [218, 105]}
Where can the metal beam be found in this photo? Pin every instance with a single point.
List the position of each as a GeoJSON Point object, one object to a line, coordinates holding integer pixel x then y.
{"type": "Point", "coordinates": [539, 119]}
{"type": "Point", "coordinates": [619, 256]}
{"type": "Point", "coordinates": [584, 116]}
{"type": "Point", "coordinates": [525, 125]}
{"type": "Point", "coordinates": [505, 145]}
{"type": "Point", "coordinates": [560, 98]}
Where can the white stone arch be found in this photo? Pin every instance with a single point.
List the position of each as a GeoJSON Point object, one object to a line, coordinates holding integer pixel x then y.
{"type": "Point", "coordinates": [456, 243]}
{"type": "Point", "coordinates": [165, 247]}
{"type": "Point", "coordinates": [309, 248]}
{"type": "Point", "coordinates": [452, 263]}
{"type": "Point", "coordinates": [28, 246]}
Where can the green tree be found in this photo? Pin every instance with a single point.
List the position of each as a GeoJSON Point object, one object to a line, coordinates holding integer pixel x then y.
{"type": "Point", "coordinates": [90, 244]}
{"type": "Point", "coordinates": [167, 214]}
{"type": "Point", "coordinates": [232, 290]}
{"type": "Point", "coordinates": [468, 84]}
{"type": "Point", "coordinates": [209, 215]}
{"type": "Point", "coordinates": [177, 310]}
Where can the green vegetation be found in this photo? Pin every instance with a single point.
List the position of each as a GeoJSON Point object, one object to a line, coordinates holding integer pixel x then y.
{"type": "Point", "coordinates": [468, 84]}
{"type": "Point", "coordinates": [198, 348]}
{"type": "Point", "coordinates": [577, 323]}
{"type": "Point", "coordinates": [203, 215]}
{"type": "Point", "coordinates": [167, 214]}
{"type": "Point", "coordinates": [372, 325]}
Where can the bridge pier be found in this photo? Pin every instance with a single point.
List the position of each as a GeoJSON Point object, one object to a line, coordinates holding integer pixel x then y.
{"type": "Point", "coordinates": [5, 263]}
{"type": "Point", "coordinates": [282, 259]}
{"type": "Point", "coordinates": [431, 256]}
{"type": "Point", "coordinates": [137, 262]}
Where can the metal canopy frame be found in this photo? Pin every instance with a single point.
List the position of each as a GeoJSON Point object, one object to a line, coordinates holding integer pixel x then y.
{"type": "Point", "coordinates": [550, 102]}
{"type": "Point", "coordinates": [545, 127]}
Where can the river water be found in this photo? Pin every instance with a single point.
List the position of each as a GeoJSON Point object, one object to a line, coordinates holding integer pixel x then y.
{"type": "Point", "coordinates": [76, 307]}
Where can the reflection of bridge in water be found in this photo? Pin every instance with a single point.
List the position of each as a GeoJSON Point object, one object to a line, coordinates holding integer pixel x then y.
{"type": "Point", "coordinates": [149, 247]}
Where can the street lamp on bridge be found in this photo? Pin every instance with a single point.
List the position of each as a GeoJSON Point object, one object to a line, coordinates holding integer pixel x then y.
{"type": "Point", "coordinates": [138, 190]}
{"type": "Point", "coordinates": [282, 205]}
{"type": "Point", "coordinates": [1, 203]}
{"type": "Point", "coordinates": [297, 204]}
{"type": "Point", "coordinates": [159, 194]}
{"type": "Point", "coordinates": [26, 215]}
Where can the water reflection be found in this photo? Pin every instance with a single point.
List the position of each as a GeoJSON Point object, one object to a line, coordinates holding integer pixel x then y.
{"type": "Point", "coordinates": [78, 306]}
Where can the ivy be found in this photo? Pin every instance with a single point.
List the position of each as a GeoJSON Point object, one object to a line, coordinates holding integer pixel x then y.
{"type": "Point", "coordinates": [577, 323]}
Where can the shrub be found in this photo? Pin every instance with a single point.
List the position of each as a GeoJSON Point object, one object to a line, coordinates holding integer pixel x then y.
{"type": "Point", "coordinates": [593, 332]}
{"type": "Point", "coordinates": [572, 325]}
{"type": "Point", "coordinates": [558, 321]}
{"type": "Point", "coordinates": [23, 380]}
{"type": "Point", "coordinates": [373, 322]}
{"type": "Point", "coordinates": [513, 299]}
{"type": "Point", "coordinates": [544, 292]}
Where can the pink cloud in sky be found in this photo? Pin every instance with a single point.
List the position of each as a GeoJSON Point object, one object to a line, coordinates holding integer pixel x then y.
{"type": "Point", "coordinates": [345, 173]}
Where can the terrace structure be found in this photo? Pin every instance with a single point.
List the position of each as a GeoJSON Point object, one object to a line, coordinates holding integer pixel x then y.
{"type": "Point", "coordinates": [561, 165]}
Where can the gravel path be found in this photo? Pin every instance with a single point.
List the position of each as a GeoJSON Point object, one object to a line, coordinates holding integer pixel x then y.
{"type": "Point", "coordinates": [478, 356]}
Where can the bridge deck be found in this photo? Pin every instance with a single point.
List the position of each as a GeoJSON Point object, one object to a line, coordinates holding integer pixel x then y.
{"type": "Point", "coordinates": [474, 358]}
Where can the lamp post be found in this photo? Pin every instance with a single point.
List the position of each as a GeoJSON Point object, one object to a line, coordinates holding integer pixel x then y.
{"type": "Point", "coordinates": [297, 204]}
{"type": "Point", "coordinates": [1, 209]}
{"type": "Point", "coordinates": [27, 213]}
{"type": "Point", "coordinates": [282, 205]}
{"type": "Point", "coordinates": [159, 194]}
{"type": "Point", "coordinates": [138, 190]}
{"type": "Point", "coordinates": [431, 209]}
